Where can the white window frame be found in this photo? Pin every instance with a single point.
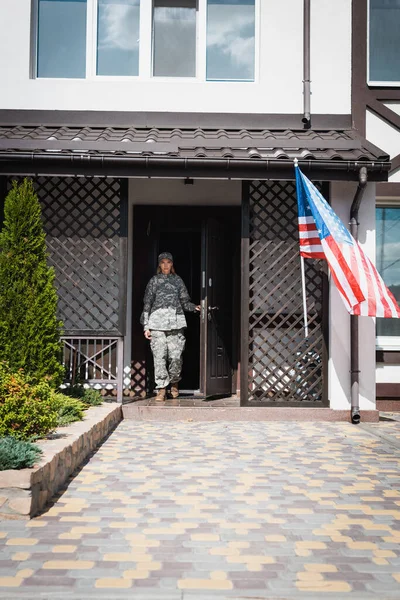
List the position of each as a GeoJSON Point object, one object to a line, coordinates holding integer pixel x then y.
{"type": "Point", "coordinates": [387, 342]}
{"type": "Point", "coordinates": [370, 82]}
{"type": "Point", "coordinates": [146, 48]}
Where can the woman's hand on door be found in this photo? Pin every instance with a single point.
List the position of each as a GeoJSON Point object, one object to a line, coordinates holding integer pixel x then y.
{"type": "Point", "coordinates": [198, 308]}
{"type": "Point", "coordinates": [147, 334]}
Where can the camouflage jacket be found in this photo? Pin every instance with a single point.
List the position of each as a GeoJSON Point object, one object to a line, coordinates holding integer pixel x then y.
{"type": "Point", "coordinates": [165, 299]}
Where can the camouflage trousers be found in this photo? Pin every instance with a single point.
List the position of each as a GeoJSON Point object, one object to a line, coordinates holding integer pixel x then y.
{"type": "Point", "coordinates": [167, 348]}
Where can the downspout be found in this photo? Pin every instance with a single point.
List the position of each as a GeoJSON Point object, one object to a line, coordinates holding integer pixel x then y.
{"type": "Point", "coordinates": [306, 66]}
{"type": "Point", "coordinates": [354, 345]}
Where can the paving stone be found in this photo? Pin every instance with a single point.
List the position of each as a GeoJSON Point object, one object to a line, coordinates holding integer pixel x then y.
{"type": "Point", "coordinates": [218, 509]}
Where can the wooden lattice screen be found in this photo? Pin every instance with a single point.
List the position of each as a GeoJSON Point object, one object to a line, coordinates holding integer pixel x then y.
{"type": "Point", "coordinates": [282, 366]}
{"type": "Point", "coordinates": [82, 220]}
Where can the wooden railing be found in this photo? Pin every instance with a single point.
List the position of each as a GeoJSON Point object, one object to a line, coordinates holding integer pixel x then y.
{"type": "Point", "coordinates": [95, 361]}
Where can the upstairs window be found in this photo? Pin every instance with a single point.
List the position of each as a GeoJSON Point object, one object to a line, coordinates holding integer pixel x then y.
{"type": "Point", "coordinates": [118, 37]}
{"type": "Point", "coordinates": [174, 38]}
{"type": "Point", "coordinates": [61, 38]}
{"type": "Point", "coordinates": [206, 40]}
{"type": "Point", "coordinates": [230, 40]}
{"type": "Point", "coordinates": [388, 265]}
{"type": "Point", "coordinates": [384, 42]}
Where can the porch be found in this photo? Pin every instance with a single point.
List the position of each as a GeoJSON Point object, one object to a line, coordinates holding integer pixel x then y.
{"type": "Point", "coordinates": [107, 219]}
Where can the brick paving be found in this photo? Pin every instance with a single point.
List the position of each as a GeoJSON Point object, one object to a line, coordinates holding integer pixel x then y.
{"type": "Point", "coordinates": [174, 511]}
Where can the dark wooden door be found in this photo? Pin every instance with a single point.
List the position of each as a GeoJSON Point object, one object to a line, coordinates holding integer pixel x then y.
{"type": "Point", "coordinates": [216, 314]}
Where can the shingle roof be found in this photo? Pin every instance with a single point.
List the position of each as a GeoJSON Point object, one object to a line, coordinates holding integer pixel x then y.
{"type": "Point", "coordinates": [311, 144]}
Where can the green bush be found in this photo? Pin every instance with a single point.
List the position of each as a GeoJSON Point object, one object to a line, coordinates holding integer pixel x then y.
{"type": "Point", "coordinates": [16, 454]}
{"type": "Point", "coordinates": [27, 410]}
{"type": "Point", "coordinates": [92, 397]}
{"type": "Point", "coordinates": [88, 396]}
{"type": "Point", "coordinates": [68, 409]}
{"type": "Point", "coordinates": [76, 390]}
{"type": "Point", "coordinates": [29, 327]}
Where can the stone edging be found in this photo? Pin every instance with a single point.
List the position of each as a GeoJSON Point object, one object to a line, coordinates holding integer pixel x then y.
{"type": "Point", "coordinates": [241, 413]}
{"type": "Point", "coordinates": [25, 492]}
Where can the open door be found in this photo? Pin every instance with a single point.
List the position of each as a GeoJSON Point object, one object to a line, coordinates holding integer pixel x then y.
{"type": "Point", "coordinates": [216, 310]}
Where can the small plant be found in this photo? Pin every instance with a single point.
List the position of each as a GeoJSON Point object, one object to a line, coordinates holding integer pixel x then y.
{"type": "Point", "coordinates": [27, 410]}
{"type": "Point", "coordinates": [16, 454]}
{"type": "Point", "coordinates": [92, 397]}
{"type": "Point", "coordinates": [68, 409]}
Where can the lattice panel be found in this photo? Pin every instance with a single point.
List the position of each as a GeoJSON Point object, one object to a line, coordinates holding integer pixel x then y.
{"type": "Point", "coordinates": [82, 222]}
{"type": "Point", "coordinates": [283, 365]}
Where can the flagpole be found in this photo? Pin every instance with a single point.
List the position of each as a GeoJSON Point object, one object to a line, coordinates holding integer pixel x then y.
{"type": "Point", "coordinates": [303, 282]}
{"type": "Point", "coordinates": [303, 286]}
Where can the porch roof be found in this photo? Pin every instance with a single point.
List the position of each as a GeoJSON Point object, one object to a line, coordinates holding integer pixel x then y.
{"type": "Point", "coordinates": [168, 150]}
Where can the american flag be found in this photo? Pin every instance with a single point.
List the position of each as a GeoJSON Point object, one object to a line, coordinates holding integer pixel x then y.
{"type": "Point", "coordinates": [323, 235]}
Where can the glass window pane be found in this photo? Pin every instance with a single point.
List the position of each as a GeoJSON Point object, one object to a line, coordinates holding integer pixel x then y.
{"type": "Point", "coordinates": [174, 38]}
{"type": "Point", "coordinates": [61, 48]}
{"type": "Point", "coordinates": [230, 39]}
{"type": "Point", "coordinates": [118, 37]}
{"type": "Point", "coordinates": [384, 40]}
{"type": "Point", "coordinates": [388, 261]}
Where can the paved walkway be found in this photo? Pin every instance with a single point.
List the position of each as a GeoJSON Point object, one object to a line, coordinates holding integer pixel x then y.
{"type": "Point", "coordinates": [218, 510]}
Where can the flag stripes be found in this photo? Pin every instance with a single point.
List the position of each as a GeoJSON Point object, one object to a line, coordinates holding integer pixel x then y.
{"type": "Point", "coordinates": [323, 235]}
{"type": "Point", "coordinates": [310, 244]}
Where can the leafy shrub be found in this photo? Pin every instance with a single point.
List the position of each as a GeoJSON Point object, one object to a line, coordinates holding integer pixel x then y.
{"type": "Point", "coordinates": [88, 396]}
{"type": "Point", "coordinates": [26, 410]}
{"type": "Point", "coordinates": [68, 409]}
{"type": "Point", "coordinates": [92, 397]}
{"type": "Point", "coordinates": [16, 454]}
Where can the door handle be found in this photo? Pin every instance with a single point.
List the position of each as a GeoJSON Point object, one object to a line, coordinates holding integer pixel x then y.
{"type": "Point", "coordinates": [213, 308]}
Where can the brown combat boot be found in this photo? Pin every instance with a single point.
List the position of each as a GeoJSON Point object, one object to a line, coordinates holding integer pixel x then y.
{"type": "Point", "coordinates": [160, 395]}
{"type": "Point", "coordinates": [174, 390]}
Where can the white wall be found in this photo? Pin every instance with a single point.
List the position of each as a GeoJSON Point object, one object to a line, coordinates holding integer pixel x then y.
{"type": "Point", "coordinates": [174, 191]}
{"type": "Point", "coordinates": [342, 195]}
{"type": "Point", "coordinates": [384, 136]}
{"type": "Point", "coordinates": [278, 88]}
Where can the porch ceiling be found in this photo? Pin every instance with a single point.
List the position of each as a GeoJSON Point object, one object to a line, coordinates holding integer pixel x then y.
{"type": "Point", "coordinates": [188, 151]}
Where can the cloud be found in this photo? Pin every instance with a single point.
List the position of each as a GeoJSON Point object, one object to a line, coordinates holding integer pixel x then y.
{"type": "Point", "coordinates": [170, 15]}
{"type": "Point", "coordinates": [232, 34]}
{"type": "Point", "coordinates": [119, 26]}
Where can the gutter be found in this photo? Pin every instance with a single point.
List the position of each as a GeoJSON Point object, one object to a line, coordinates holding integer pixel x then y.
{"type": "Point", "coordinates": [354, 344]}
{"type": "Point", "coordinates": [114, 165]}
{"type": "Point", "coordinates": [306, 66]}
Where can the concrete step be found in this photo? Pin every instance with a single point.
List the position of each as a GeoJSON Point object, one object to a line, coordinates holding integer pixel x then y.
{"type": "Point", "coordinates": [240, 413]}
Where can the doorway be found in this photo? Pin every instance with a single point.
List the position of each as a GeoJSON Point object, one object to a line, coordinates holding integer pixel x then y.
{"type": "Point", "coordinates": [185, 247]}
{"type": "Point", "coordinates": [205, 243]}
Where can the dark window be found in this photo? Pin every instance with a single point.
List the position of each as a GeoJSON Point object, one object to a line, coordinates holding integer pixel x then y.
{"type": "Point", "coordinates": [388, 261]}
{"type": "Point", "coordinates": [384, 41]}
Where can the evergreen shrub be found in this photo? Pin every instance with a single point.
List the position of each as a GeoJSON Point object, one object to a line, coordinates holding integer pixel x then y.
{"type": "Point", "coordinates": [92, 397]}
{"type": "Point", "coordinates": [88, 396]}
{"type": "Point", "coordinates": [27, 410]}
{"type": "Point", "coordinates": [16, 454]}
{"type": "Point", "coordinates": [76, 390]}
{"type": "Point", "coordinates": [68, 409]}
{"type": "Point", "coordinates": [29, 328]}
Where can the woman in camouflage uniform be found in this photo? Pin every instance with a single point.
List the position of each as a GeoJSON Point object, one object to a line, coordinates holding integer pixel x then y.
{"type": "Point", "coordinates": [165, 300]}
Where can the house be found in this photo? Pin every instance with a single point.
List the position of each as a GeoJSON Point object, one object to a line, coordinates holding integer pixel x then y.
{"type": "Point", "coordinates": [152, 125]}
{"type": "Point", "coordinates": [376, 115]}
